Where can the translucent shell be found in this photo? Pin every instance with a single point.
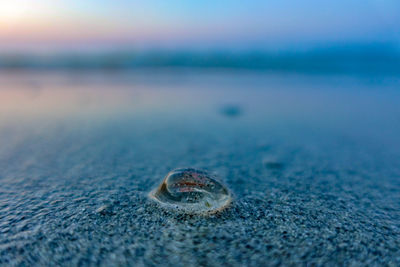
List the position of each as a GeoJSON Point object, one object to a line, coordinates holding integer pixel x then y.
{"type": "Point", "coordinates": [193, 191]}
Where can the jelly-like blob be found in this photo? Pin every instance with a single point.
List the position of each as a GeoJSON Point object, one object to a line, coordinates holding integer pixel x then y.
{"type": "Point", "coordinates": [192, 191]}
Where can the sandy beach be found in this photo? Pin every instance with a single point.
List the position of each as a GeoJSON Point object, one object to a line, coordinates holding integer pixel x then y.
{"type": "Point", "coordinates": [312, 161]}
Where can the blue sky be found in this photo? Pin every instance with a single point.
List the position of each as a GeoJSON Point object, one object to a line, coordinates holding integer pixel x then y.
{"type": "Point", "coordinates": [197, 24]}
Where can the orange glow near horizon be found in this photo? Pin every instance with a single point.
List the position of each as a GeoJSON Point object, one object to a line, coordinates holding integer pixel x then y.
{"type": "Point", "coordinates": [13, 11]}
{"type": "Point", "coordinates": [187, 24]}
{"type": "Point", "coordinates": [21, 23]}
{"type": "Point", "coordinates": [21, 19]}
{"type": "Point", "coordinates": [25, 21]}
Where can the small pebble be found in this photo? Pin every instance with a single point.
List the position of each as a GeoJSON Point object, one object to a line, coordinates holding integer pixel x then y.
{"type": "Point", "coordinates": [104, 210]}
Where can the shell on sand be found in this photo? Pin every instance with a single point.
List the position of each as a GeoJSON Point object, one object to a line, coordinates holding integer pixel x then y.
{"type": "Point", "coordinates": [193, 191]}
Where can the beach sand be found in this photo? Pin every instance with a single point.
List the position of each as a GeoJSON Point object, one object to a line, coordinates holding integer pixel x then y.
{"type": "Point", "coordinates": [312, 161]}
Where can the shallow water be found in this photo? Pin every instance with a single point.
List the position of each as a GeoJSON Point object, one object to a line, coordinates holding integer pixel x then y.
{"type": "Point", "coordinates": [313, 162]}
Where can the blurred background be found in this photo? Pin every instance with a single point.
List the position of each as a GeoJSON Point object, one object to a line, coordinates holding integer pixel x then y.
{"type": "Point", "coordinates": [311, 36]}
{"type": "Point", "coordinates": [166, 73]}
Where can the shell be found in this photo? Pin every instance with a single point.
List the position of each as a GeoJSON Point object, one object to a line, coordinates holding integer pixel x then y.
{"type": "Point", "coordinates": [193, 191]}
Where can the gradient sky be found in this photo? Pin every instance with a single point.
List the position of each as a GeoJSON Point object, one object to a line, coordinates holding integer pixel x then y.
{"type": "Point", "coordinates": [232, 24]}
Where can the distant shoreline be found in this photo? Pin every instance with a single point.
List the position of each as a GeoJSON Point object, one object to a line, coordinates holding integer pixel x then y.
{"type": "Point", "coordinates": [318, 61]}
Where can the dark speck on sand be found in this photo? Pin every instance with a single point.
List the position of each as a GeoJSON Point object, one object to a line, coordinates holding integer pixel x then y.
{"type": "Point", "coordinates": [231, 110]}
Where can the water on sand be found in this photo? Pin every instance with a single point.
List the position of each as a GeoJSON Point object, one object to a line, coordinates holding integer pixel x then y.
{"type": "Point", "coordinates": [313, 162]}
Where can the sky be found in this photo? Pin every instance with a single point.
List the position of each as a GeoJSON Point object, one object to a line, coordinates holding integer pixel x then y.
{"type": "Point", "coordinates": [207, 24]}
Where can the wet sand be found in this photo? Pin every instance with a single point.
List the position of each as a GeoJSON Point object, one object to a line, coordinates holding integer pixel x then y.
{"type": "Point", "coordinates": [313, 163]}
